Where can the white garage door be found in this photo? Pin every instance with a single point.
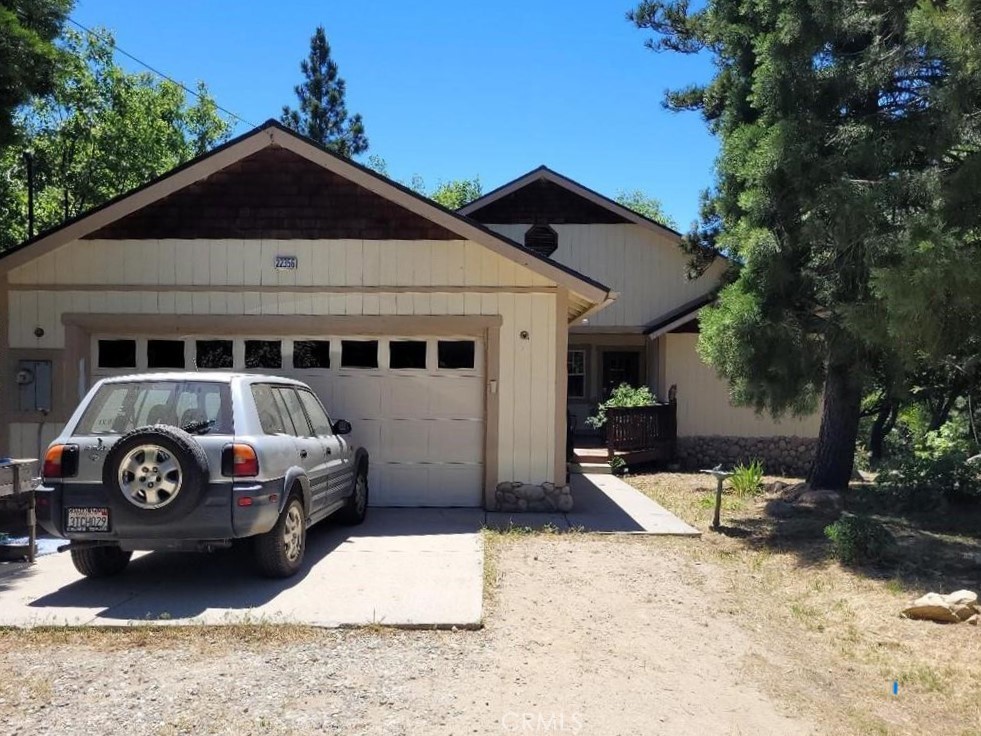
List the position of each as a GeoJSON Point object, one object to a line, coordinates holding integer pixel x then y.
{"type": "Point", "coordinates": [416, 403]}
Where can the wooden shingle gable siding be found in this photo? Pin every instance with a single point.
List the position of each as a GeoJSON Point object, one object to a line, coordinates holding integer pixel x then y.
{"type": "Point", "coordinates": [273, 194]}
{"type": "Point", "coordinates": [544, 202]}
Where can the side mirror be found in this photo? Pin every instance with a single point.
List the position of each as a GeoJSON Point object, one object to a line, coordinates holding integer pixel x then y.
{"type": "Point", "coordinates": [342, 426]}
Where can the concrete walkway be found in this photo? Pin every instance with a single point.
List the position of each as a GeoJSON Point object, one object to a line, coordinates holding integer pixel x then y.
{"type": "Point", "coordinates": [402, 567]}
{"type": "Point", "coordinates": [604, 503]}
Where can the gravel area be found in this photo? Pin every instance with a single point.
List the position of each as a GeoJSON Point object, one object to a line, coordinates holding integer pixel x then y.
{"type": "Point", "coordinates": [584, 635]}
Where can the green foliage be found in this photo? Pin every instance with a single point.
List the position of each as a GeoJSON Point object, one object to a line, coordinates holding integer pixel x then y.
{"type": "Point", "coordinates": [643, 204]}
{"type": "Point", "coordinates": [858, 540]}
{"type": "Point", "coordinates": [622, 396]}
{"type": "Point", "coordinates": [100, 132]}
{"type": "Point", "coordinates": [850, 160]}
{"type": "Point", "coordinates": [936, 469]}
{"type": "Point", "coordinates": [28, 55]}
{"type": "Point", "coordinates": [747, 480]}
{"type": "Point", "coordinates": [452, 194]}
{"type": "Point", "coordinates": [618, 465]}
{"type": "Point", "coordinates": [322, 114]}
{"type": "Point", "coordinates": [456, 193]}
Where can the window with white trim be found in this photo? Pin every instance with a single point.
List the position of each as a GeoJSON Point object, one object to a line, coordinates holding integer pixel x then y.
{"type": "Point", "coordinates": [577, 374]}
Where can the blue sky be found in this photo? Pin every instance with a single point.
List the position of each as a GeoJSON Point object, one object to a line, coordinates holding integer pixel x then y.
{"type": "Point", "coordinates": [451, 89]}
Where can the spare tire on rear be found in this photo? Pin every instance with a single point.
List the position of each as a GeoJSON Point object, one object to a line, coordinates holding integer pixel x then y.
{"type": "Point", "coordinates": [157, 474]}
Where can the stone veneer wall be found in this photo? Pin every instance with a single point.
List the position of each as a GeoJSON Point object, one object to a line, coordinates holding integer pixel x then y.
{"type": "Point", "coordinates": [779, 455]}
{"type": "Point", "coordinates": [531, 497]}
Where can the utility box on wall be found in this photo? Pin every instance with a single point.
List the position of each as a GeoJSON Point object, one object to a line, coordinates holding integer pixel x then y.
{"type": "Point", "coordinates": [34, 385]}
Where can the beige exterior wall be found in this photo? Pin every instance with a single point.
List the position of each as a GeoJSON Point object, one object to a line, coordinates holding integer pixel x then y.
{"type": "Point", "coordinates": [645, 267]}
{"type": "Point", "coordinates": [703, 398]}
{"type": "Point", "coordinates": [335, 278]}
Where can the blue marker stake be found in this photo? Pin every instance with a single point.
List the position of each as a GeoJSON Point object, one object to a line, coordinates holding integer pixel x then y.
{"type": "Point", "coordinates": [895, 687]}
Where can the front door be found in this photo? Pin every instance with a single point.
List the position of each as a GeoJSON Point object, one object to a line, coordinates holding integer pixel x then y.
{"type": "Point", "coordinates": [620, 366]}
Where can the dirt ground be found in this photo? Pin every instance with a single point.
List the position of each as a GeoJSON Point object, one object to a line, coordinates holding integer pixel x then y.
{"type": "Point", "coordinates": [584, 635]}
{"type": "Point", "coordinates": [836, 644]}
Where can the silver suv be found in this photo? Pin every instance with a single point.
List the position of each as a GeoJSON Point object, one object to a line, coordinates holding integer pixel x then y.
{"type": "Point", "coordinates": [193, 461]}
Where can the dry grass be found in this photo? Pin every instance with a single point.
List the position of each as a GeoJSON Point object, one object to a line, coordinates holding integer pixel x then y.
{"type": "Point", "coordinates": [833, 637]}
{"type": "Point", "coordinates": [152, 637]}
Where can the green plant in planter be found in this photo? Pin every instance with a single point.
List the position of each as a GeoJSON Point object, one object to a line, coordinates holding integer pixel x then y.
{"type": "Point", "coordinates": [623, 396]}
{"type": "Point", "coordinates": [747, 480]}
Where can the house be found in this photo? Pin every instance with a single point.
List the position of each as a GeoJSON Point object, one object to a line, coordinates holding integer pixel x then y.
{"type": "Point", "coordinates": [648, 335]}
{"type": "Point", "coordinates": [455, 342]}
{"type": "Point", "coordinates": [442, 341]}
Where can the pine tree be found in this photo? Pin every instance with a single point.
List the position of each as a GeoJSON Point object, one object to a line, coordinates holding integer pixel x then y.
{"type": "Point", "coordinates": [322, 114]}
{"type": "Point", "coordinates": [835, 137]}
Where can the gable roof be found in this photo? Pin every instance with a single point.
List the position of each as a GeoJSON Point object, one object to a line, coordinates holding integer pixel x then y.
{"type": "Point", "coordinates": [679, 315]}
{"type": "Point", "coordinates": [590, 293]}
{"type": "Point", "coordinates": [543, 173]}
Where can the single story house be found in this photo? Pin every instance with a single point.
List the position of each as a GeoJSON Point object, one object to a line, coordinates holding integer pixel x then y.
{"type": "Point", "coordinates": [442, 341]}
{"type": "Point", "coordinates": [455, 342]}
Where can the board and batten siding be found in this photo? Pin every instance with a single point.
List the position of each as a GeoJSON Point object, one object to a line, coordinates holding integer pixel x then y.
{"type": "Point", "coordinates": [525, 301]}
{"type": "Point", "coordinates": [703, 399]}
{"type": "Point", "coordinates": [646, 268]}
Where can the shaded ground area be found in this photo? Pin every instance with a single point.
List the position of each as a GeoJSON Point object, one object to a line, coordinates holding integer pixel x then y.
{"type": "Point", "coordinates": [837, 629]}
{"type": "Point", "coordinates": [585, 635]}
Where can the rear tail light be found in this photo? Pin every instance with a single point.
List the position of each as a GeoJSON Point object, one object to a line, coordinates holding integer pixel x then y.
{"type": "Point", "coordinates": [61, 461]}
{"type": "Point", "coordinates": [239, 461]}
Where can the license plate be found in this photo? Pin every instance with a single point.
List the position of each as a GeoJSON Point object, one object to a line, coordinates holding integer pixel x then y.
{"type": "Point", "coordinates": [91, 519]}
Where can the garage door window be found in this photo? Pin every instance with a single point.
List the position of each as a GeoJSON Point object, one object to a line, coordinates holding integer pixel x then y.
{"type": "Point", "coordinates": [311, 354]}
{"type": "Point", "coordinates": [263, 354]}
{"type": "Point", "coordinates": [117, 353]}
{"type": "Point", "coordinates": [214, 354]}
{"type": "Point", "coordinates": [456, 354]}
{"type": "Point", "coordinates": [407, 354]}
{"type": "Point", "coordinates": [359, 353]}
{"type": "Point", "coordinates": [165, 353]}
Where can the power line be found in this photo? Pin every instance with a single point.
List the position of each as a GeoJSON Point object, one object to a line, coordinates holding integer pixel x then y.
{"type": "Point", "coordinates": [159, 73]}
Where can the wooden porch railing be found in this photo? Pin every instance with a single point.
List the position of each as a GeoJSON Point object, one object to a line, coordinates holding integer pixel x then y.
{"type": "Point", "coordinates": [642, 429]}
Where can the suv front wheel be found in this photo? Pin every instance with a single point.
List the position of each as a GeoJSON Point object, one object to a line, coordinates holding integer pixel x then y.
{"type": "Point", "coordinates": [279, 552]}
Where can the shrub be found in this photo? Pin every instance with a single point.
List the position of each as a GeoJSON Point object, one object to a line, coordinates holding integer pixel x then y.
{"type": "Point", "coordinates": [747, 480]}
{"type": "Point", "coordinates": [935, 469]}
{"type": "Point", "coordinates": [859, 540]}
{"type": "Point", "coordinates": [623, 396]}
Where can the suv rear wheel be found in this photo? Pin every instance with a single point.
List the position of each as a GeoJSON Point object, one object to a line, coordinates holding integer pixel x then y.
{"type": "Point", "coordinates": [356, 508]}
{"type": "Point", "coordinates": [279, 552]}
{"type": "Point", "coordinates": [100, 562]}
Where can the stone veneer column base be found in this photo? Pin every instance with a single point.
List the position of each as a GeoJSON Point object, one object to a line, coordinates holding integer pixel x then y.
{"type": "Point", "coordinates": [530, 497]}
{"type": "Point", "coordinates": [779, 455]}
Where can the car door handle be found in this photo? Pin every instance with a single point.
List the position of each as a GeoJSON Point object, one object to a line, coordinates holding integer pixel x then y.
{"type": "Point", "coordinates": [327, 451]}
{"type": "Point", "coordinates": [303, 453]}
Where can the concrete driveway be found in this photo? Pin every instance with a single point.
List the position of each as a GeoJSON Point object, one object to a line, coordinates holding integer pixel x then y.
{"type": "Point", "coordinates": [402, 567]}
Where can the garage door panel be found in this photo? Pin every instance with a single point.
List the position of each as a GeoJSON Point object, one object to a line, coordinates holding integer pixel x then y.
{"type": "Point", "coordinates": [366, 433]}
{"type": "Point", "coordinates": [456, 441]}
{"type": "Point", "coordinates": [457, 398]}
{"type": "Point", "coordinates": [405, 441]}
{"type": "Point", "coordinates": [358, 396]}
{"type": "Point", "coordinates": [411, 485]}
{"type": "Point", "coordinates": [407, 396]}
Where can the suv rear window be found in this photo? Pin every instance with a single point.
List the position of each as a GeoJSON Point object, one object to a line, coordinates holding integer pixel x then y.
{"type": "Point", "coordinates": [120, 407]}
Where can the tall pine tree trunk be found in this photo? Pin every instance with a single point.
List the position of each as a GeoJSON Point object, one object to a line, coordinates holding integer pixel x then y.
{"type": "Point", "coordinates": [835, 454]}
